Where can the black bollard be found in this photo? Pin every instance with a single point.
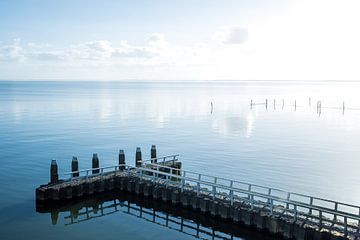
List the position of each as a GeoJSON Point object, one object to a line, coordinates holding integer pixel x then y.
{"type": "Point", "coordinates": [95, 164]}
{"type": "Point", "coordinates": [75, 167]}
{"type": "Point", "coordinates": [54, 176]}
{"type": "Point", "coordinates": [138, 157]}
{"type": "Point", "coordinates": [121, 160]}
{"type": "Point", "coordinates": [153, 154]}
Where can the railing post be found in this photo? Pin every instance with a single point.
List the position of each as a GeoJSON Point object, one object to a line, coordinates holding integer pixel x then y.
{"type": "Point", "coordinates": [138, 162]}
{"type": "Point", "coordinates": [311, 203]}
{"type": "Point", "coordinates": [95, 164]}
{"type": "Point", "coordinates": [345, 226]}
{"type": "Point", "coordinates": [183, 181]}
{"type": "Point", "coordinates": [214, 188]}
{"type": "Point", "coordinates": [287, 198]}
{"type": "Point", "coordinates": [54, 176]}
{"type": "Point", "coordinates": [336, 208]}
{"type": "Point", "coordinates": [75, 167]}
{"type": "Point", "coordinates": [121, 160]}
{"type": "Point", "coordinates": [249, 190]}
{"type": "Point", "coordinates": [198, 186]}
{"type": "Point", "coordinates": [231, 193]}
{"type": "Point", "coordinates": [153, 154]}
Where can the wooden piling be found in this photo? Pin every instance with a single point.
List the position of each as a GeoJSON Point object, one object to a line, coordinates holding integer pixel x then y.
{"type": "Point", "coordinates": [121, 160]}
{"type": "Point", "coordinates": [75, 167]}
{"type": "Point", "coordinates": [153, 154]}
{"type": "Point", "coordinates": [138, 157]}
{"type": "Point", "coordinates": [54, 176]}
{"type": "Point", "coordinates": [95, 164]}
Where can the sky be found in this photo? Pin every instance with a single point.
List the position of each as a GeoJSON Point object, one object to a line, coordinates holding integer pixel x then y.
{"type": "Point", "coordinates": [179, 40]}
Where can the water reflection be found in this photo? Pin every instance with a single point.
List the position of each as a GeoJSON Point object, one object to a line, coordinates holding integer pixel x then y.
{"type": "Point", "coordinates": [185, 221]}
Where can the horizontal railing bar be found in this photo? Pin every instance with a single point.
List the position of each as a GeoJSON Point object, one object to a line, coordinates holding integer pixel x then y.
{"type": "Point", "coordinates": [160, 158]}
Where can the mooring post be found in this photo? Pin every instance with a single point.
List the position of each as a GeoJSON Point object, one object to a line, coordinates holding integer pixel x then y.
{"type": "Point", "coordinates": [95, 164]}
{"type": "Point", "coordinates": [54, 176]}
{"type": "Point", "coordinates": [309, 101]}
{"type": "Point", "coordinates": [121, 160]}
{"type": "Point", "coordinates": [138, 157]}
{"type": "Point", "coordinates": [75, 167]}
{"type": "Point", "coordinates": [153, 154]}
{"type": "Point", "coordinates": [266, 103]}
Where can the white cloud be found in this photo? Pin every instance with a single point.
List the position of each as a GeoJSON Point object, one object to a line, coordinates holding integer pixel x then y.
{"type": "Point", "coordinates": [232, 35]}
{"type": "Point", "coordinates": [12, 52]}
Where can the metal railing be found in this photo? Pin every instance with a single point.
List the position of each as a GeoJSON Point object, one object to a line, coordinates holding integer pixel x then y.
{"type": "Point", "coordinates": [326, 212]}
{"type": "Point", "coordinates": [169, 158]}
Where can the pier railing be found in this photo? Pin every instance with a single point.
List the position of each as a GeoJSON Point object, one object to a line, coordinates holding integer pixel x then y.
{"type": "Point", "coordinates": [328, 213]}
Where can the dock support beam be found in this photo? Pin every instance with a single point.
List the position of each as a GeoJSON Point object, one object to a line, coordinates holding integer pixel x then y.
{"type": "Point", "coordinates": [138, 157]}
{"type": "Point", "coordinates": [153, 154]}
{"type": "Point", "coordinates": [121, 160]}
{"type": "Point", "coordinates": [75, 167]}
{"type": "Point", "coordinates": [54, 176]}
{"type": "Point", "coordinates": [95, 164]}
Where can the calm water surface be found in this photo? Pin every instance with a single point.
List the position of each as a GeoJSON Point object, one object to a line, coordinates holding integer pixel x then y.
{"type": "Point", "coordinates": [295, 149]}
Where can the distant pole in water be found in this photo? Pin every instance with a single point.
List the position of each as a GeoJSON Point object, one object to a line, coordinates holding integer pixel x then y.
{"type": "Point", "coordinates": [274, 103]}
{"type": "Point", "coordinates": [309, 101]}
{"type": "Point", "coordinates": [266, 103]}
{"type": "Point", "coordinates": [212, 107]}
{"type": "Point", "coordinates": [295, 105]}
{"type": "Point", "coordinates": [283, 103]}
{"type": "Point", "coordinates": [343, 107]}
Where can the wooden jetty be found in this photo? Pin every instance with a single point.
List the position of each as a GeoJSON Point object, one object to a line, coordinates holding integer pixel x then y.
{"type": "Point", "coordinates": [286, 214]}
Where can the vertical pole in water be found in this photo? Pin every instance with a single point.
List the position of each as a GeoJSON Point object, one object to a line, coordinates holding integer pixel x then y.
{"type": "Point", "coordinates": [54, 176]}
{"type": "Point", "coordinates": [251, 103]}
{"type": "Point", "coordinates": [309, 101]}
{"type": "Point", "coordinates": [283, 103]}
{"type": "Point", "coordinates": [153, 154]}
{"type": "Point", "coordinates": [266, 103]}
{"type": "Point", "coordinates": [343, 108]}
{"type": "Point", "coordinates": [274, 104]}
{"type": "Point", "coordinates": [121, 160]}
{"type": "Point", "coordinates": [75, 167]}
{"type": "Point", "coordinates": [138, 157]}
{"type": "Point", "coordinates": [95, 164]}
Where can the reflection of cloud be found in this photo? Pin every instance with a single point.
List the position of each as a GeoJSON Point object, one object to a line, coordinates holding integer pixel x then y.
{"type": "Point", "coordinates": [234, 126]}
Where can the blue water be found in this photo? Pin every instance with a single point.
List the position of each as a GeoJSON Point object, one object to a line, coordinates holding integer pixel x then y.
{"type": "Point", "coordinates": [295, 149]}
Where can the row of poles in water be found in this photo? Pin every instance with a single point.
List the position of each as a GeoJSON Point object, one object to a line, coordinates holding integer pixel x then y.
{"type": "Point", "coordinates": [318, 105]}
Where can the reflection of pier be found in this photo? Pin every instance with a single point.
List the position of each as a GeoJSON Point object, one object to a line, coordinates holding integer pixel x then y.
{"type": "Point", "coordinates": [179, 219]}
